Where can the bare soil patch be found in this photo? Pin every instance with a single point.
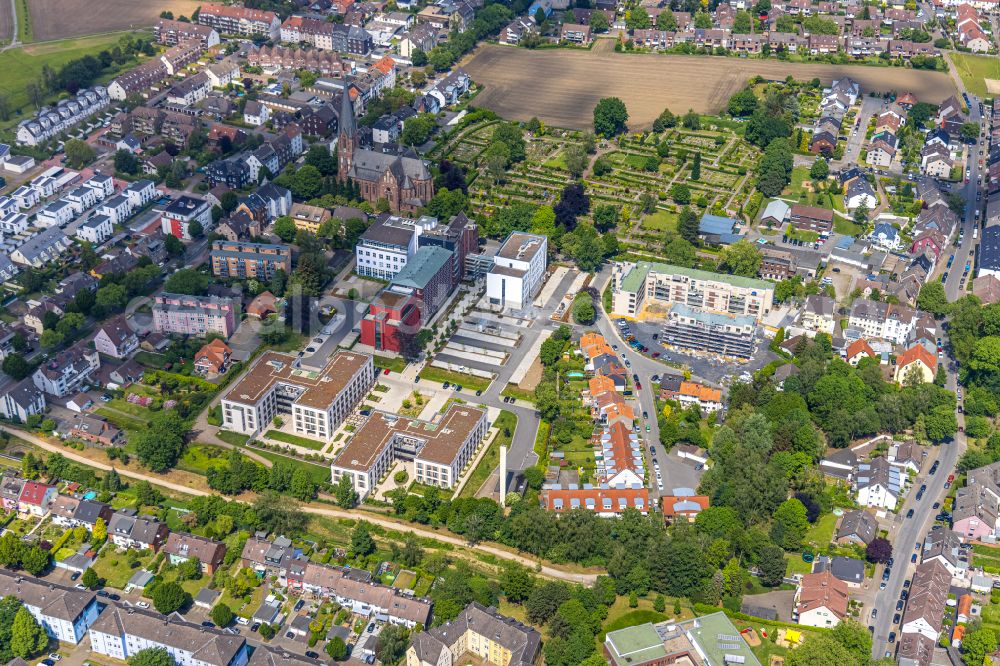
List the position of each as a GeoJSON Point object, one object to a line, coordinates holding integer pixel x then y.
{"type": "Point", "coordinates": [58, 19]}
{"type": "Point", "coordinates": [562, 86]}
{"type": "Point", "coordinates": [6, 21]}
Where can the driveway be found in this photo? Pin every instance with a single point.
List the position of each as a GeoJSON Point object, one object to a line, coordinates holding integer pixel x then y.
{"type": "Point", "coordinates": [782, 601]}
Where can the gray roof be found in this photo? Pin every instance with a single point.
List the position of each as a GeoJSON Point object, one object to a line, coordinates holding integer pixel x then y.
{"type": "Point", "coordinates": [57, 601]}
{"type": "Point", "coordinates": [391, 230]}
{"type": "Point", "coordinates": [370, 165]}
{"type": "Point", "coordinates": [32, 248]}
{"type": "Point", "coordinates": [206, 596]}
{"type": "Point", "coordinates": [777, 209]}
{"type": "Point", "coordinates": [24, 393]}
{"type": "Point", "coordinates": [858, 523]}
{"type": "Point", "coordinates": [424, 265]}
{"type": "Point", "coordinates": [207, 645]}
{"type": "Point", "coordinates": [523, 641]}
{"type": "Point", "coordinates": [264, 655]}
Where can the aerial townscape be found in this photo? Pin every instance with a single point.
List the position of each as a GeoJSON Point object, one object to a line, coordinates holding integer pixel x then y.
{"type": "Point", "coordinates": [500, 333]}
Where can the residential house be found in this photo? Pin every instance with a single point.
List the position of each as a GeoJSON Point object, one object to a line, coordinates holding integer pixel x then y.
{"type": "Point", "coordinates": [478, 631]}
{"type": "Point", "coordinates": [821, 600]}
{"type": "Point", "coordinates": [63, 612]}
{"type": "Point", "coordinates": [857, 527]}
{"type": "Point", "coordinates": [878, 484]}
{"type": "Point", "coordinates": [819, 314]}
{"type": "Point", "coordinates": [129, 530]}
{"type": "Point", "coordinates": [213, 358]}
{"type": "Point", "coordinates": [35, 498]}
{"type": "Point", "coordinates": [915, 364]}
{"type": "Point", "coordinates": [114, 338]}
{"type": "Point", "coordinates": [67, 371]}
{"type": "Point", "coordinates": [181, 547]}
{"type": "Point", "coordinates": [95, 431]}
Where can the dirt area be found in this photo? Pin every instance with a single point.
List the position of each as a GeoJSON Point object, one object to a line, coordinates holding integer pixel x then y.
{"type": "Point", "coordinates": [58, 19]}
{"type": "Point", "coordinates": [993, 86]}
{"type": "Point", "coordinates": [562, 86]}
{"type": "Point", "coordinates": [6, 21]}
{"type": "Point", "coordinates": [532, 377]}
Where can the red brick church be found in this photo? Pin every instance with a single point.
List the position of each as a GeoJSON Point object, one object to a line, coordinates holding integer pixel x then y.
{"type": "Point", "coordinates": [405, 182]}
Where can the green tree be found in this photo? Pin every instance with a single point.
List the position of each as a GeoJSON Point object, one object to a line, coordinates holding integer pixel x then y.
{"type": "Point", "coordinates": [78, 153]}
{"type": "Point", "coordinates": [583, 309]}
{"type": "Point", "coordinates": [90, 579]}
{"type": "Point", "coordinates": [772, 565]}
{"type": "Point", "coordinates": [978, 644]}
{"type": "Point", "coordinates": [688, 225]}
{"type": "Point", "coordinates": [221, 615]}
{"type": "Point", "coordinates": [126, 162]}
{"type": "Point", "coordinates": [741, 258]}
{"type": "Point", "coordinates": [392, 644]}
{"type": "Point", "coordinates": [742, 103]}
{"type": "Point", "coordinates": [932, 298]}
{"type": "Point", "coordinates": [610, 117]}
{"type": "Point", "coordinates": [27, 638]}
{"type": "Point", "coordinates": [680, 193]}
{"type": "Point", "coordinates": [336, 648]}
{"type": "Point", "coordinates": [170, 597]}
{"type": "Point", "coordinates": [344, 492]}
{"type": "Point", "coordinates": [599, 21]}
{"type": "Point", "coordinates": [362, 543]}
{"type": "Point", "coordinates": [284, 228]}
{"type": "Point", "coordinates": [187, 281]}
{"type": "Point", "coordinates": [696, 167]}
{"type": "Point", "coordinates": [790, 524]}
{"type": "Point", "coordinates": [16, 367]}
{"type": "Point", "coordinates": [820, 169]}
{"type": "Point", "coordinates": [151, 657]}
{"type": "Point", "coordinates": [418, 129]}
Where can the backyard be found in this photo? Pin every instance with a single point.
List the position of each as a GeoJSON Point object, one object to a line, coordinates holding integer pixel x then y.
{"type": "Point", "coordinates": [980, 74]}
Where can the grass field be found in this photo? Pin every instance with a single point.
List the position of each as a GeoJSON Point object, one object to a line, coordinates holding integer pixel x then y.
{"type": "Point", "coordinates": [661, 220]}
{"type": "Point", "coordinates": [393, 364]}
{"type": "Point", "coordinates": [466, 381]}
{"type": "Point", "coordinates": [318, 473]}
{"type": "Point", "coordinates": [114, 567]}
{"type": "Point", "coordinates": [304, 442]}
{"type": "Point", "coordinates": [22, 66]}
{"type": "Point", "coordinates": [562, 86]}
{"type": "Point", "coordinates": [199, 457]}
{"type": "Point", "coordinates": [974, 71]}
{"type": "Point", "coordinates": [984, 556]}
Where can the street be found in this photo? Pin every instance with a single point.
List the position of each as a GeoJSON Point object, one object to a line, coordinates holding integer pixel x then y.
{"type": "Point", "coordinates": [907, 532]}
{"type": "Point", "coordinates": [966, 250]}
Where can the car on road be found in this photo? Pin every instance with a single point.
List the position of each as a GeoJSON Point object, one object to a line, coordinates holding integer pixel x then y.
{"type": "Point", "coordinates": [935, 507]}
{"type": "Point", "coordinates": [289, 634]}
{"type": "Point", "coordinates": [913, 558]}
{"type": "Point", "coordinates": [909, 514]}
{"type": "Point", "coordinates": [311, 654]}
{"type": "Point", "coordinates": [647, 427]}
{"type": "Point", "coordinates": [906, 583]}
{"type": "Point", "coordinates": [881, 585]}
{"type": "Point", "coordinates": [255, 627]}
{"type": "Point", "coordinates": [298, 605]}
{"type": "Point", "coordinates": [892, 638]}
{"type": "Point", "coordinates": [142, 604]}
{"type": "Point", "coordinates": [934, 467]}
{"type": "Point", "coordinates": [874, 613]}
{"type": "Point", "coordinates": [386, 371]}
{"type": "Point", "coordinates": [54, 656]}
{"type": "Point", "coordinates": [896, 618]}
{"type": "Point", "coordinates": [645, 415]}
{"type": "Point", "coordinates": [206, 623]}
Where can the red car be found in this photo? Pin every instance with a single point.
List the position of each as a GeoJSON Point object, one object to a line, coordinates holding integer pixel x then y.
{"type": "Point", "coordinates": [386, 371]}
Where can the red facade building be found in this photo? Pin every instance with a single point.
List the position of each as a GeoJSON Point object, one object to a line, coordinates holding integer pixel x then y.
{"type": "Point", "coordinates": [390, 317]}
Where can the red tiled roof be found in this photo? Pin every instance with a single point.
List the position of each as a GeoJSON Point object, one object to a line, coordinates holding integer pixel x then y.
{"type": "Point", "coordinates": [597, 497]}
{"type": "Point", "coordinates": [860, 346]}
{"type": "Point", "coordinates": [917, 353]}
{"type": "Point", "coordinates": [34, 493]}
{"type": "Point", "coordinates": [670, 501]}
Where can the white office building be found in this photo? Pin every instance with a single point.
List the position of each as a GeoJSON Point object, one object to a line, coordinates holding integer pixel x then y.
{"type": "Point", "coordinates": [518, 271]}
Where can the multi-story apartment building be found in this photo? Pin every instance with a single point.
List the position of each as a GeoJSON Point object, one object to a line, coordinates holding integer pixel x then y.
{"type": "Point", "coordinates": [712, 332]}
{"type": "Point", "coordinates": [63, 612]}
{"type": "Point", "coordinates": [495, 639]}
{"type": "Point", "coordinates": [122, 631]}
{"type": "Point", "coordinates": [635, 286]}
{"type": "Point", "coordinates": [172, 32]}
{"type": "Point", "coordinates": [22, 400]}
{"type": "Point", "coordinates": [298, 29]}
{"type": "Point", "coordinates": [140, 192]}
{"type": "Point", "coordinates": [233, 20]}
{"type": "Point", "coordinates": [66, 372]}
{"type": "Point", "coordinates": [386, 246]}
{"type": "Point", "coordinates": [440, 450]}
{"type": "Point", "coordinates": [114, 338]}
{"type": "Point", "coordinates": [318, 400]}
{"type": "Point", "coordinates": [182, 212]}
{"type": "Point", "coordinates": [518, 270]}
{"type": "Point", "coordinates": [195, 315]}
{"type": "Point", "coordinates": [882, 320]}
{"type": "Point", "coordinates": [249, 260]}
{"type": "Point", "coordinates": [52, 121]}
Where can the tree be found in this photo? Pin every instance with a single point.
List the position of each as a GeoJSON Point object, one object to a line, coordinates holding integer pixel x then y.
{"type": "Point", "coordinates": [742, 23]}
{"type": "Point", "coordinates": [516, 582]}
{"type": "Point", "coordinates": [691, 120]}
{"type": "Point", "coordinates": [161, 444]}
{"type": "Point", "coordinates": [790, 524]}
{"type": "Point", "coordinates": [821, 650]}
{"type": "Point", "coordinates": [362, 543]}
{"type": "Point", "coordinates": [78, 153]}
{"type": "Point", "coordinates": [16, 367]}
{"type": "Point", "coordinates": [688, 225]}
{"type": "Point", "coordinates": [583, 309]}
{"type": "Point", "coordinates": [151, 657]}
{"type": "Point", "coordinates": [680, 193]}
{"type": "Point", "coordinates": [174, 246]}
{"type": "Point", "coordinates": [344, 492]}
{"type": "Point", "coordinates": [170, 597]}
{"type": "Point", "coordinates": [392, 644]}
{"type": "Point", "coordinates": [696, 167]}
{"type": "Point", "coordinates": [610, 117]}
{"type": "Point", "coordinates": [741, 258]}
{"type": "Point", "coordinates": [284, 228]}
{"type": "Point", "coordinates": [90, 579]}
{"type": "Point", "coordinates": [221, 615]}
{"type": "Point", "coordinates": [772, 565]}
{"type": "Point", "coordinates": [418, 129]}
{"type": "Point", "coordinates": [742, 103]}
{"type": "Point", "coordinates": [638, 19]}
{"type": "Point", "coordinates": [969, 132]}
{"type": "Point", "coordinates": [100, 531]}
{"type": "Point", "coordinates": [878, 551]}
{"type": "Point", "coordinates": [576, 159]}
{"type": "Point", "coordinates": [599, 21]}
{"type": "Point", "coordinates": [336, 648]}
{"type": "Point", "coordinates": [27, 638]}
{"type": "Point", "coordinates": [187, 281]}
{"type": "Point", "coordinates": [126, 162]}
{"type": "Point", "coordinates": [978, 644]}
{"type": "Point", "coordinates": [820, 169]}
{"type": "Point", "coordinates": [664, 121]}
{"type": "Point", "coordinates": [932, 298]}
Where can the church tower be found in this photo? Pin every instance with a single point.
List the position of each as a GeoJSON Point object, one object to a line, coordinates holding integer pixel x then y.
{"type": "Point", "coordinates": [347, 140]}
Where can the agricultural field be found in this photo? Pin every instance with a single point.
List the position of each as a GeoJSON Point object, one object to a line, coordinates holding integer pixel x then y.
{"type": "Point", "coordinates": [23, 65]}
{"type": "Point", "coordinates": [980, 74]}
{"type": "Point", "coordinates": [636, 171]}
{"type": "Point", "coordinates": [58, 19]}
{"type": "Point", "coordinates": [562, 86]}
{"type": "Point", "coordinates": [6, 22]}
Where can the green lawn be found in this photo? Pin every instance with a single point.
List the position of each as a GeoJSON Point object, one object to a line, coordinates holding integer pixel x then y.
{"type": "Point", "coordinates": [123, 421]}
{"type": "Point", "coordinates": [477, 477]}
{"type": "Point", "coordinates": [22, 66]}
{"type": "Point", "coordinates": [394, 364]}
{"type": "Point", "coordinates": [974, 71]}
{"type": "Point", "coordinates": [796, 565]}
{"type": "Point", "coordinates": [199, 457]}
{"type": "Point", "coordinates": [127, 407]}
{"type": "Point", "coordinates": [304, 442]}
{"type": "Point", "coordinates": [466, 381]}
{"type": "Point", "coordinates": [558, 161]}
{"type": "Point", "coordinates": [800, 235]}
{"type": "Point", "coordinates": [984, 556]}
{"type": "Point", "coordinates": [151, 360]}
{"type": "Point", "coordinates": [845, 226]}
{"type": "Point", "coordinates": [661, 220]}
{"type": "Point", "coordinates": [230, 437]}
{"type": "Point", "coordinates": [821, 533]}
{"type": "Point", "coordinates": [318, 473]}
{"type": "Point", "coordinates": [114, 567]}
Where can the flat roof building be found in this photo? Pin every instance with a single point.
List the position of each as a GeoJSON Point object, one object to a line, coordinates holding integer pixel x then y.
{"type": "Point", "coordinates": [518, 270]}
{"type": "Point", "coordinates": [440, 449]}
{"type": "Point", "coordinates": [318, 400]}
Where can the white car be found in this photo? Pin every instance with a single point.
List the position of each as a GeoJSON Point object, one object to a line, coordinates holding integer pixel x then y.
{"type": "Point", "coordinates": [142, 604]}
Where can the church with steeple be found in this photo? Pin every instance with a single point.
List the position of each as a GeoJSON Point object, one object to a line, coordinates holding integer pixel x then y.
{"type": "Point", "coordinates": [405, 182]}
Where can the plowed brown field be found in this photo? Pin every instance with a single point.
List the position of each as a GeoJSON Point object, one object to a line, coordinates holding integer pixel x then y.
{"type": "Point", "coordinates": [562, 86]}
{"type": "Point", "coordinates": [58, 19]}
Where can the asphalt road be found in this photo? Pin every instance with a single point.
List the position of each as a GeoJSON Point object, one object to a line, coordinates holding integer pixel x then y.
{"type": "Point", "coordinates": [967, 249]}
{"type": "Point", "coordinates": [906, 532]}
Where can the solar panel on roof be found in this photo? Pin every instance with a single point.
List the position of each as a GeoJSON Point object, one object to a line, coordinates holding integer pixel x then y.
{"type": "Point", "coordinates": [729, 646]}
{"type": "Point", "coordinates": [728, 637]}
